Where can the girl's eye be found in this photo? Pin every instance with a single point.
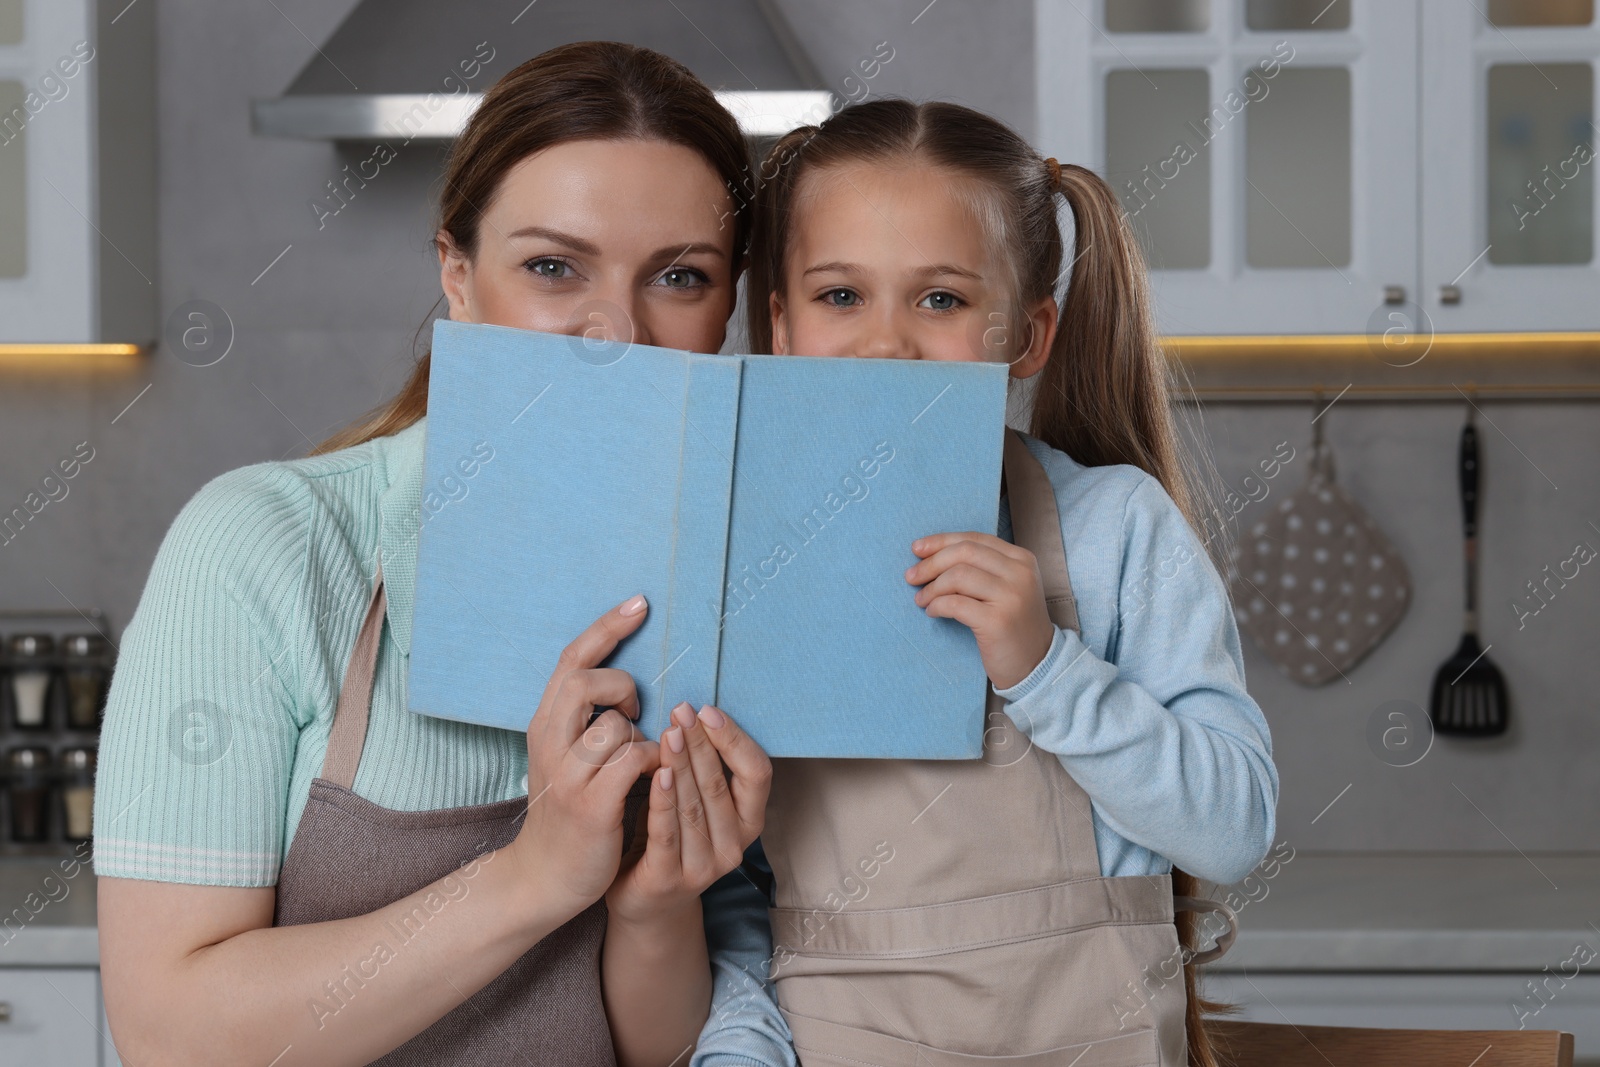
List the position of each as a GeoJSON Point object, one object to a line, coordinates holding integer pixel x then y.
{"type": "Point", "coordinates": [841, 298]}
{"type": "Point", "coordinates": [940, 301]}
{"type": "Point", "coordinates": [552, 269]}
{"type": "Point", "coordinates": [682, 278]}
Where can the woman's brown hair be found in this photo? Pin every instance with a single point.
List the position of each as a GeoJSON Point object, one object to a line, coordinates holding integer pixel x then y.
{"type": "Point", "coordinates": [592, 90]}
{"type": "Point", "coordinates": [1103, 396]}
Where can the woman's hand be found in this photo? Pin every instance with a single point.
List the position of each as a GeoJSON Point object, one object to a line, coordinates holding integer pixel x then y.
{"type": "Point", "coordinates": [993, 587]}
{"type": "Point", "coordinates": [654, 968]}
{"type": "Point", "coordinates": [579, 773]}
{"type": "Point", "coordinates": [699, 822]}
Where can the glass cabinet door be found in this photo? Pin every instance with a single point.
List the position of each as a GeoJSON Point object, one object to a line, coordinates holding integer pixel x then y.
{"type": "Point", "coordinates": [48, 209]}
{"type": "Point", "coordinates": [13, 180]}
{"type": "Point", "coordinates": [1508, 161]}
{"type": "Point", "coordinates": [13, 151]}
{"type": "Point", "coordinates": [1264, 150]}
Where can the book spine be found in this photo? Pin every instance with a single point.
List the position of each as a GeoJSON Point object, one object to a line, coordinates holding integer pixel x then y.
{"type": "Point", "coordinates": [693, 635]}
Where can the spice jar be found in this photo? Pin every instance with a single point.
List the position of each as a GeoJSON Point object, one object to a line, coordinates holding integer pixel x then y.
{"type": "Point", "coordinates": [31, 662]}
{"type": "Point", "coordinates": [28, 787]}
{"type": "Point", "coordinates": [84, 668]}
{"type": "Point", "coordinates": [77, 793]}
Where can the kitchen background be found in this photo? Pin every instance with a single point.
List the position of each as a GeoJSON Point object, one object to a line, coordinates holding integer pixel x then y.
{"type": "Point", "coordinates": [324, 306]}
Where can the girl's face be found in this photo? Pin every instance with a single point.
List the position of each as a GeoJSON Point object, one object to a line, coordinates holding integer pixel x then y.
{"type": "Point", "coordinates": [622, 240]}
{"type": "Point", "coordinates": [889, 261]}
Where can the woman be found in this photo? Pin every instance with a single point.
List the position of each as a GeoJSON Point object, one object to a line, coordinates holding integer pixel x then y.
{"type": "Point", "coordinates": [424, 910]}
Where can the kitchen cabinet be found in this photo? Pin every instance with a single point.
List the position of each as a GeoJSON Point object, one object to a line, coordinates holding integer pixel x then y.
{"type": "Point", "coordinates": [52, 1015]}
{"type": "Point", "coordinates": [1337, 166]}
{"type": "Point", "coordinates": [1508, 164]}
{"type": "Point", "coordinates": [51, 1008]}
{"type": "Point", "coordinates": [77, 173]}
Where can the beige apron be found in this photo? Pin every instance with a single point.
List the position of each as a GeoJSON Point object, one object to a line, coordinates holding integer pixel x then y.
{"type": "Point", "coordinates": [351, 857]}
{"type": "Point", "coordinates": [935, 912]}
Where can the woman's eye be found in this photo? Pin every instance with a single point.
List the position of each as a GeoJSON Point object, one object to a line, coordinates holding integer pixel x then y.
{"type": "Point", "coordinates": [841, 298]}
{"type": "Point", "coordinates": [553, 269]}
{"type": "Point", "coordinates": [681, 278]}
{"type": "Point", "coordinates": [940, 301]}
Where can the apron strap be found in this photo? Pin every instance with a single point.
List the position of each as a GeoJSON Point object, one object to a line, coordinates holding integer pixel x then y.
{"type": "Point", "coordinates": [1207, 905]}
{"type": "Point", "coordinates": [348, 734]}
{"type": "Point", "coordinates": [1036, 524]}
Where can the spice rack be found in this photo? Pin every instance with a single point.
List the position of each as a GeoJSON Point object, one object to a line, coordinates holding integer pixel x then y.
{"type": "Point", "coordinates": [55, 671]}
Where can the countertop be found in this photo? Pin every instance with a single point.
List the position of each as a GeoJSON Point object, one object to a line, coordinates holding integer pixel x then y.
{"type": "Point", "coordinates": [1319, 912]}
{"type": "Point", "coordinates": [1479, 911]}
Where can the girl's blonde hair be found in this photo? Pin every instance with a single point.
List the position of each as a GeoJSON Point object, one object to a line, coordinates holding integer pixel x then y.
{"type": "Point", "coordinates": [590, 90]}
{"type": "Point", "coordinates": [1103, 396]}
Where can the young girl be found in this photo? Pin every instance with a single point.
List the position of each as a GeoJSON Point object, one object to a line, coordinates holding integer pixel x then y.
{"type": "Point", "coordinates": [1021, 905]}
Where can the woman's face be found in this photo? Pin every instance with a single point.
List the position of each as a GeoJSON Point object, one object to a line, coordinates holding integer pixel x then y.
{"type": "Point", "coordinates": [623, 240]}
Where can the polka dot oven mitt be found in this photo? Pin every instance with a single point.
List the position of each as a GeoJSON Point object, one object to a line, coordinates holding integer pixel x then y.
{"type": "Point", "coordinates": [1316, 584]}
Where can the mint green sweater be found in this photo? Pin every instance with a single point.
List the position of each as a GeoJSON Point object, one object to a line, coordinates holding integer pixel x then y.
{"type": "Point", "coordinates": [228, 674]}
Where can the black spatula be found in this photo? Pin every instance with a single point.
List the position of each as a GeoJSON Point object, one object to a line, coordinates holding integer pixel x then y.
{"type": "Point", "coordinates": [1469, 695]}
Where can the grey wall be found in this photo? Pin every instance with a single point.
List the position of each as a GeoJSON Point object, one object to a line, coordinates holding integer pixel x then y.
{"type": "Point", "coordinates": [1536, 788]}
{"type": "Point", "coordinates": [326, 333]}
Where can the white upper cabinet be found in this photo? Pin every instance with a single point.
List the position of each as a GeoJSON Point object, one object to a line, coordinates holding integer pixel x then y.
{"type": "Point", "coordinates": [1508, 162]}
{"type": "Point", "coordinates": [1265, 150]}
{"type": "Point", "coordinates": [1338, 166]}
{"type": "Point", "coordinates": [77, 173]}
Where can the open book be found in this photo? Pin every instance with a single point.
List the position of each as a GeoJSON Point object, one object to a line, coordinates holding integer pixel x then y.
{"type": "Point", "coordinates": [764, 505]}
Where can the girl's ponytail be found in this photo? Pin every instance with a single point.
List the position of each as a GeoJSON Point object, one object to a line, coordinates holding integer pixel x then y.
{"type": "Point", "coordinates": [774, 193]}
{"type": "Point", "coordinates": [1103, 397]}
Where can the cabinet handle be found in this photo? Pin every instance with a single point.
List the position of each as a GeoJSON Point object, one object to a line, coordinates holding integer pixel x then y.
{"type": "Point", "coordinates": [1449, 294]}
{"type": "Point", "coordinates": [1394, 294]}
{"type": "Point", "coordinates": [5, 1011]}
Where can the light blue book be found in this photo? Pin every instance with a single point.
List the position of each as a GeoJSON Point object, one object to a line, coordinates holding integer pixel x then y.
{"type": "Point", "coordinates": [765, 505]}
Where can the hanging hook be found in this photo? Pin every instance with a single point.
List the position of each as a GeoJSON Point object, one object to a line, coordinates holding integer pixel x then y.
{"type": "Point", "coordinates": [1318, 407]}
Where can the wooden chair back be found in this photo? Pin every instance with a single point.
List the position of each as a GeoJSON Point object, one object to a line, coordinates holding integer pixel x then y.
{"type": "Point", "coordinates": [1246, 1044]}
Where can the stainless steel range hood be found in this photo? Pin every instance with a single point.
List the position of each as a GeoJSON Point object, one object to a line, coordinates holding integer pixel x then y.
{"type": "Point", "coordinates": [417, 68]}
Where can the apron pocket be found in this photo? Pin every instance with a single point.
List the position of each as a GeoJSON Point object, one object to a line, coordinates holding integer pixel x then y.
{"type": "Point", "coordinates": [825, 1044]}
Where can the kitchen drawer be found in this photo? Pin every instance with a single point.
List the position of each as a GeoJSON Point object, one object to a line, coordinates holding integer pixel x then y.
{"type": "Point", "coordinates": [54, 1016]}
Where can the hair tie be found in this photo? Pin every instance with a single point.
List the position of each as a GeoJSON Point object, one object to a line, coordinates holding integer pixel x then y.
{"type": "Point", "coordinates": [1054, 168]}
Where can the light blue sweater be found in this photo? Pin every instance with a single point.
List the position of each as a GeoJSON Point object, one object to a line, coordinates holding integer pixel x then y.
{"type": "Point", "coordinates": [1147, 709]}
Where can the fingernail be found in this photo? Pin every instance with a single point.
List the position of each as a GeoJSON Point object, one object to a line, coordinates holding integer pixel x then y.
{"type": "Point", "coordinates": [675, 739]}
{"type": "Point", "coordinates": [683, 715]}
{"type": "Point", "coordinates": [634, 606]}
{"type": "Point", "coordinates": [666, 778]}
{"type": "Point", "coordinates": [712, 717]}
{"type": "Point", "coordinates": [916, 544]}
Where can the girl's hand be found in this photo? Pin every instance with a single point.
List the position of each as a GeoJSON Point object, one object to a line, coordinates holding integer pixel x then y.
{"type": "Point", "coordinates": [699, 823]}
{"type": "Point", "coordinates": [993, 587]}
{"type": "Point", "coordinates": [579, 772]}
